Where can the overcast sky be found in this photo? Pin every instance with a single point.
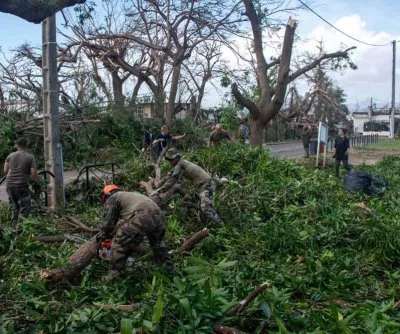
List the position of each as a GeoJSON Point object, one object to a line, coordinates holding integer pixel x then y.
{"type": "Point", "coordinates": [372, 21]}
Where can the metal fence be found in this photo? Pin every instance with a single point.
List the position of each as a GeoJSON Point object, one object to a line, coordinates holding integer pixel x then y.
{"type": "Point", "coordinates": [276, 132]}
{"type": "Point", "coordinates": [355, 141]}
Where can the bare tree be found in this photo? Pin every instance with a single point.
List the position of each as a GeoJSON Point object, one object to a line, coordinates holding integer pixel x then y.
{"type": "Point", "coordinates": [170, 31]}
{"type": "Point", "coordinates": [98, 37]}
{"type": "Point", "coordinates": [272, 94]}
{"type": "Point", "coordinates": [199, 71]}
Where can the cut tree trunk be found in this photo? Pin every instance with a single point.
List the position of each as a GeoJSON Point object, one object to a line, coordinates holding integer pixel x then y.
{"type": "Point", "coordinates": [193, 240]}
{"type": "Point", "coordinates": [84, 255]}
{"type": "Point", "coordinates": [76, 263]}
{"type": "Point", "coordinates": [48, 239]}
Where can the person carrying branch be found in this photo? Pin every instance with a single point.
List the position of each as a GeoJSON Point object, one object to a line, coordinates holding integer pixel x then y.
{"type": "Point", "coordinates": [200, 178]}
{"type": "Point", "coordinates": [218, 135]}
{"type": "Point", "coordinates": [162, 141]}
{"type": "Point", "coordinates": [128, 218]}
{"type": "Point", "coordinates": [340, 152]}
{"type": "Point", "coordinates": [17, 168]}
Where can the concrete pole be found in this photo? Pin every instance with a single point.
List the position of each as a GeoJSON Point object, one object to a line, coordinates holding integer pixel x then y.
{"type": "Point", "coordinates": [52, 144]}
{"type": "Point", "coordinates": [393, 92]}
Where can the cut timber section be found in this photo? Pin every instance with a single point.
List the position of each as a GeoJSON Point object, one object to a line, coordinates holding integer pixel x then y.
{"type": "Point", "coordinates": [76, 263]}
{"type": "Point", "coordinates": [84, 255]}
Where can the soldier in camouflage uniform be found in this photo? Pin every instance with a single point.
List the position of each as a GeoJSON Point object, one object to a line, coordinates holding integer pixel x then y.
{"type": "Point", "coordinates": [163, 198]}
{"type": "Point", "coordinates": [308, 130]}
{"type": "Point", "coordinates": [128, 218]}
{"type": "Point", "coordinates": [201, 179]}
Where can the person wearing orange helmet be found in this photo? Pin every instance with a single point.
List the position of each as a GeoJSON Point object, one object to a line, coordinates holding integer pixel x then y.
{"type": "Point", "coordinates": [128, 218]}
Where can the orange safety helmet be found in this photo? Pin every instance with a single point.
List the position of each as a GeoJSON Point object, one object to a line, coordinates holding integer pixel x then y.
{"type": "Point", "coordinates": [107, 191]}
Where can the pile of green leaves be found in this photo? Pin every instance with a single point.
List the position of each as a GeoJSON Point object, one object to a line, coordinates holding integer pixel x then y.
{"type": "Point", "coordinates": [331, 258]}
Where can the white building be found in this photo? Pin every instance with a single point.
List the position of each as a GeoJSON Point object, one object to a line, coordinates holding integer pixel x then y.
{"type": "Point", "coordinates": [374, 121]}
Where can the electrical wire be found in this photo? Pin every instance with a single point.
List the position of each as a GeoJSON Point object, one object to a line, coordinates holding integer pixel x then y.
{"type": "Point", "coordinates": [327, 22]}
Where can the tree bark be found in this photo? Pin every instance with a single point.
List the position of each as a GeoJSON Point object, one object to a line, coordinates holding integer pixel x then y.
{"type": "Point", "coordinates": [193, 240]}
{"type": "Point", "coordinates": [117, 83]}
{"type": "Point", "coordinates": [219, 329]}
{"type": "Point", "coordinates": [78, 224]}
{"type": "Point", "coordinates": [2, 103]}
{"type": "Point", "coordinates": [60, 238]}
{"type": "Point", "coordinates": [33, 10]}
{"type": "Point", "coordinates": [176, 72]}
{"type": "Point", "coordinates": [257, 132]}
{"type": "Point", "coordinates": [76, 263]}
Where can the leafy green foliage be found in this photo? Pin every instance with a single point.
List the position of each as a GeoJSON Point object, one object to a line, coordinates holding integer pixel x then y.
{"type": "Point", "coordinates": [332, 265]}
{"type": "Point", "coordinates": [6, 139]}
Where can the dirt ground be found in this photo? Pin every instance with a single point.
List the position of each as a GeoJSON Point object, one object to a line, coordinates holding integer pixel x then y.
{"type": "Point", "coordinates": [358, 156]}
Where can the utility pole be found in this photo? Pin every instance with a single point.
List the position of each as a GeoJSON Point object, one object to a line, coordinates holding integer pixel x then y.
{"type": "Point", "coordinates": [52, 145]}
{"type": "Point", "coordinates": [393, 92]}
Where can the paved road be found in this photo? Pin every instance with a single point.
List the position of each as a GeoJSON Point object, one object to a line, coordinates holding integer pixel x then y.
{"type": "Point", "coordinates": [291, 149]}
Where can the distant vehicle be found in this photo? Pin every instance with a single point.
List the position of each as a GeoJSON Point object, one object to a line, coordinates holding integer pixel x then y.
{"type": "Point", "coordinates": [381, 128]}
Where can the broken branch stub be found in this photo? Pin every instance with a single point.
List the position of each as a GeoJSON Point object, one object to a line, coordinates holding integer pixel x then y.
{"type": "Point", "coordinates": [250, 297]}
{"type": "Point", "coordinates": [193, 240]}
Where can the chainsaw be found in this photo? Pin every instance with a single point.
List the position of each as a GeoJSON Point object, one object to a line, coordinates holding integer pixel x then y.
{"type": "Point", "coordinates": [104, 251]}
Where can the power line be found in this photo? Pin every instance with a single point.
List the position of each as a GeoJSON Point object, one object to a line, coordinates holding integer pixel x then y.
{"type": "Point", "coordinates": [370, 44]}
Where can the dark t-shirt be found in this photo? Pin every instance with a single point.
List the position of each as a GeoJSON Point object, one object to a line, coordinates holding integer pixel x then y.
{"type": "Point", "coordinates": [147, 138]}
{"type": "Point", "coordinates": [20, 164]}
{"type": "Point", "coordinates": [216, 137]}
{"type": "Point", "coordinates": [244, 131]}
{"type": "Point", "coordinates": [163, 142]}
{"type": "Point", "coordinates": [342, 144]}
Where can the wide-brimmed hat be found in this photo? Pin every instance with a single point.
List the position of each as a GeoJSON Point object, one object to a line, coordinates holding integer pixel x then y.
{"type": "Point", "coordinates": [172, 153]}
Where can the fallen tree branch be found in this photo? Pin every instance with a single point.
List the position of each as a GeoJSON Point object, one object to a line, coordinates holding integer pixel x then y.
{"type": "Point", "coordinates": [219, 329]}
{"type": "Point", "coordinates": [147, 186]}
{"type": "Point", "coordinates": [242, 304]}
{"type": "Point", "coordinates": [84, 255]}
{"type": "Point", "coordinates": [76, 263]}
{"type": "Point", "coordinates": [78, 224]}
{"type": "Point", "coordinates": [60, 238]}
{"type": "Point", "coordinates": [123, 308]}
{"type": "Point", "coordinates": [193, 240]}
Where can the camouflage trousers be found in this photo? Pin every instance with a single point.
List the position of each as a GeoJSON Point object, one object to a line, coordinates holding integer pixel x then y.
{"type": "Point", "coordinates": [161, 199]}
{"type": "Point", "coordinates": [20, 201]}
{"type": "Point", "coordinates": [129, 235]}
{"type": "Point", "coordinates": [206, 192]}
{"type": "Point", "coordinates": [306, 138]}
